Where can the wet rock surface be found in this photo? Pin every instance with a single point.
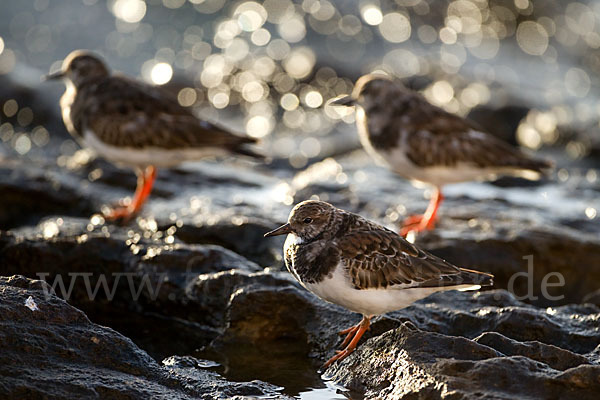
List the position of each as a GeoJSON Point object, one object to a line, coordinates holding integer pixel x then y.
{"type": "Point", "coordinates": [487, 345]}
{"type": "Point", "coordinates": [50, 349]}
{"type": "Point", "coordinates": [193, 276]}
{"type": "Point", "coordinates": [192, 279]}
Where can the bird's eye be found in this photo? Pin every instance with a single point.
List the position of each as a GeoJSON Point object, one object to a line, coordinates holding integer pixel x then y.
{"type": "Point", "coordinates": [307, 220]}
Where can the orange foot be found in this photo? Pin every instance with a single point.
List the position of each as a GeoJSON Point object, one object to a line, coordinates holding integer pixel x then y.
{"type": "Point", "coordinates": [350, 333]}
{"type": "Point", "coordinates": [354, 332]}
{"type": "Point", "coordinates": [144, 187]}
{"type": "Point", "coordinates": [426, 221]}
{"type": "Point", "coordinates": [416, 223]}
{"type": "Point", "coordinates": [121, 213]}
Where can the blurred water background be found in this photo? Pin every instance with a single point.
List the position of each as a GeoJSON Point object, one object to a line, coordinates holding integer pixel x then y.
{"type": "Point", "coordinates": [267, 68]}
{"type": "Point", "coordinates": [526, 70]}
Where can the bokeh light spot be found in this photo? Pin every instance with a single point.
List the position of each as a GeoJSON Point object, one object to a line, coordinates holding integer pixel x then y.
{"type": "Point", "coordinates": [427, 34]}
{"type": "Point", "coordinates": [258, 126]}
{"type": "Point", "coordinates": [173, 4]}
{"type": "Point", "coordinates": [253, 91]}
{"type": "Point", "coordinates": [40, 136]}
{"type": "Point", "coordinates": [293, 30]}
{"type": "Point", "coordinates": [10, 107]}
{"type": "Point", "coordinates": [577, 82]}
{"type": "Point", "coordinates": [187, 97]}
{"type": "Point", "coordinates": [310, 147]}
{"type": "Point", "coordinates": [442, 92]}
{"type": "Point", "coordinates": [22, 144]}
{"type": "Point", "coordinates": [131, 11]}
{"type": "Point", "coordinates": [300, 62]}
{"type": "Point", "coordinates": [289, 101]}
{"type": "Point", "coordinates": [532, 38]}
{"type": "Point", "coordinates": [395, 27]}
{"type": "Point", "coordinates": [219, 99]}
{"type": "Point", "coordinates": [260, 37]}
{"type": "Point", "coordinates": [25, 116]}
{"type": "Point", "coordinates": [313, 99]}
{"type": "Point", "coordinates": [161, 73]}
{"type": "Point", "coordinates": [250, 16]}
{"type": "Point", "coordinates": [371, 14]}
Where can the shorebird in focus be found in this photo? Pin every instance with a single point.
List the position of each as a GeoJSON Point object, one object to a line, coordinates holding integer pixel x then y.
{"type": "Point", "coordinates": [134, 124]}
{"type": "Point", "coordinates": [362, 266]}
{"type": "Point", "coordinates": [400, 129]}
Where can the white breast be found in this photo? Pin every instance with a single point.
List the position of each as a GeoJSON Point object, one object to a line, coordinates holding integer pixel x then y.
{"type": "Point", "coordinates": [338, 289]}
{"type": "Point", "coordinates": [141, 157]}
{"type": "Point", "coordinates": [65, 105]}
{"type": "Point", "coordinates": [395, 158]}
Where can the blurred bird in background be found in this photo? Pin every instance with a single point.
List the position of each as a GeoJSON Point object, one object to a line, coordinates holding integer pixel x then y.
{"type": "Point", "coordinates": [137, 125]}
{"type": "Point", "coordinates": [400, 129]}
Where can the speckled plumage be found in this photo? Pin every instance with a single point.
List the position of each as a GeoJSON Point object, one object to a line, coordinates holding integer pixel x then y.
{"type": "Point", "coordinates": [400, 129]}
{"type": "Point", "coordinates": [428, 136]}
{"type": "Point", "coordinates": [372, 256]}
{"type": "Point", "coordinates": [129, 114]}
{"type": "Point", "coordinates": [362, 266]}
{"type": "Point", "coordinates": [134, 124]}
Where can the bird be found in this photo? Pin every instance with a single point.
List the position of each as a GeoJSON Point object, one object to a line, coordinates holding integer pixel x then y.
{"type": "Point", "coordinates": [421, 142]}
{"type": "Point", "coordinates": [358, 264]}
{"type": "Point", "coordinates": [134, 124]}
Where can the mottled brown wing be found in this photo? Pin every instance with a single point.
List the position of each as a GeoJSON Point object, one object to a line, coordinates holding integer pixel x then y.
{"type": "Point", "coordinates": [438, 138]}
{"type": "Point", "coordinates": [381, 258]}
{"type": "Point", "coordinates": [132, 114]}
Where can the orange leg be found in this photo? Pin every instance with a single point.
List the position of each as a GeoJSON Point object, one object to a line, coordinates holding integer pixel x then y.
{"type": "Point", "coordinates": [419, 223]}
{"type": "Point", "coordinates": [349, 332]}
{"type": "Point", "coordinates": [144, 187]}
{"type": "Point", "coordinates": [358, 331]}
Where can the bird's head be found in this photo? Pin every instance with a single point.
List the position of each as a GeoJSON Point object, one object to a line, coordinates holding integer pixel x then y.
{"type": "Point", "coordinates": [80, 67]}
{"type": "Point", "coordinates": [308, 220]}
{"type": "Point", "coordinates": [368, 88]}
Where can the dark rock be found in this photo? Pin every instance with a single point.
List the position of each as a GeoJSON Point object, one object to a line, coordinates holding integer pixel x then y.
{"type": "Point", "coordinates": [261, 314]}
{"type": "Point", "coordinates": [522, 260]}
{"type": "Point", "coordinates": [271, 329]}
{"type": "Point", "coordinates": [210, 385]}
{"type": "Point", "coordinates": [554, 357]}
{"type": "Point", "coordinates": [187, 274]}
{"type": "Point", "coordinates": [552, 352]}
{"type": "Point", "coordinates": [132, 286]}
{"type": "Point", "coordinates": [30, 193]}
{"type": "Point", "coordinates": [53, 351]}
{"type": "Point", "coordinates": [593, 298]}
{"type": "Point", "coordinates": [240, 238]}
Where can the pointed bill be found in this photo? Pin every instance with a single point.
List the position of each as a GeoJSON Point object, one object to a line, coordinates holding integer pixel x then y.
{"type": "Point", "coordinates": [282, 230]}
{"type": "Point", "coordinates": [343, 101]}
{"type": "Point", "coordinates": [53, 76]}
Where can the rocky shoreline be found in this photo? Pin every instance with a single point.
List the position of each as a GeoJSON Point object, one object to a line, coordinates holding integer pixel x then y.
{"type": "Point", "coordinates": [193, 279]}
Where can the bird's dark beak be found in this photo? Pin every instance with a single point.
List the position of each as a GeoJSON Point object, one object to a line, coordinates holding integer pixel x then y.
{"type": "Point", "coordinates": [53, 76]}
{"type": "Point", "coordinates": [343, 101]}
{"type": "Point", "coordinates": [282, 230]}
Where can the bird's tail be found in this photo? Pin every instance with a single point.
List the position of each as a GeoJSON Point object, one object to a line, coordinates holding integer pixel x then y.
{"type": "Point", "coordinates": [469, 276]}
{"type": "Point", "coordinates": [243, 148]}
{"type": "Point", "coordinates": [542, 167]}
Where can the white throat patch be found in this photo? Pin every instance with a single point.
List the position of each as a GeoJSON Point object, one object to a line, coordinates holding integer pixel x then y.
{"type": "Point", "coordinates": [292, 238]}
